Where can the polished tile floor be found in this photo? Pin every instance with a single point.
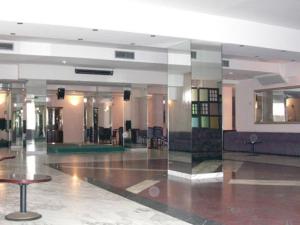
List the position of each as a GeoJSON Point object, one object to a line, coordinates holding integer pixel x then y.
{"type": "Point", "coordinates": [134, 188]}
{"type": "Point", "coordinates": [70, 200]}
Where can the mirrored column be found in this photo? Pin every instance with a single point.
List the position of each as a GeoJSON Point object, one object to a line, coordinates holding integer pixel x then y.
{"type": "Point", "coordinates": [103, 121]}
{"type": "Point", "coordinates": [88, 118]}
{"type": "Point", "coordinates": [36, 94]}
{"type": "Point", "coordinates": [135, 118]}
{"type": "Point", "coordinates": [179, 105]}
{"type": "Point", "coordinates": [16, 114]}
{"type": "Point", "coordinates": [195, 115]}
{"type": "Point", "coordinates": [206, 100]}
{"type": "Point", "coordinates": [158, 117]}
{"type": "Point", "coordinates": [117, 113]}
{"type": "Point", "coordinates": [5, 115]}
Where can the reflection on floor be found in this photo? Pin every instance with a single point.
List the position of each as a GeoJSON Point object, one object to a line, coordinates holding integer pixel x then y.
{"type": "Point", "coordinates": [70, 200]}
{"type": "Point", "coordinates": [210, 166]}
{"type": "Point", "coordinates": [230, 202]}
{"type": "Point", "coordinates": [256, 190]}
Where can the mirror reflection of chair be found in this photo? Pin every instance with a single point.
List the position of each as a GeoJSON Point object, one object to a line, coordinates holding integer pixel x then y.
{"type": "Point", "coordinates": [106, 136]}
{"type": "Point", "coordinates": [157, 140]}
{"type": "Point", "coordinates": [142, 136]}
{"type": "Point", "coordinates": [114, 138]}
{"type": "Point", "coordinates": [253, 140]}
{"type": "Point", "coordinates": [150, 137]}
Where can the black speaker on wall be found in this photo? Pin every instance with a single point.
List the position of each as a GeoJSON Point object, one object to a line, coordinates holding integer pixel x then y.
{"type": "Point", "coordinates": [60, 93]}
{"type": "Point", "coordinates": [126, 95]}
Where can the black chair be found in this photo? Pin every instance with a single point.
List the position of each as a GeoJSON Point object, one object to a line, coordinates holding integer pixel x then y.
{"type": "Point", "coordinates": [107, 135]}
{"type": "Point", "coordinates": [90, 134]}
{"type": "Point", "coordinates": [2, 123]}
{"type": "Point", "coordinates": [120, 135]}
{"type": "Point", "coordinates": [114, 138]}
{"type": "Point", "coordinates": [158, 137]}
{"type": "Point", "coordinates": [96, 135]}
{"type": "Point", "coordinates": [143, 136]}
{"type": "Point", "coordinates": [101, 134]}
{"type": "Point", "coordinates": [134, 135]}
{"type": "Point", "coordinates": [150, 137]}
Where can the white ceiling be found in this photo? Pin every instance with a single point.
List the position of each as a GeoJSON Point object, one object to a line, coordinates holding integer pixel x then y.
{"type": "Point", "coordinates": [240, 74]}
{"type": "Point", "coordinates": [61, 34]}
{"type": "Point", "coordinates": [258, 54]}
{"type": "Point", "coordinates": [276, 12]}
{"type": "Point", "coordinates": [58, 34]}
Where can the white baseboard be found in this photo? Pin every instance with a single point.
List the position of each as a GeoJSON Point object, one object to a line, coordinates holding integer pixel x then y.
{"type": "Point", "coordinates": [205, 177]}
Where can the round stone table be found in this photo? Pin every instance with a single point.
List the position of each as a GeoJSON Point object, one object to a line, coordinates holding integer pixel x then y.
{"type": "Point", "coordinates": [23, 180]}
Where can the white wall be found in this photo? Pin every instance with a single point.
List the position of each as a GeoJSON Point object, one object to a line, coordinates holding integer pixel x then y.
{"type": "Point", "coordinates": [26, 48]}
{"type": "Point", "coordinates": [66, 73]}
{"type": "Point", "coordinates": [9, 72]}
{"type": "Point", "coordinates": [250, 65]}
{"type": "Point", "coordinates": [227, 94]}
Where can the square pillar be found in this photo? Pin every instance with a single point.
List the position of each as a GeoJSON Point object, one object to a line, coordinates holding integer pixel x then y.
{"type": "Point", "coordinates": [35, 115]}
{"type": "Point", "coordinates": [195, 110]}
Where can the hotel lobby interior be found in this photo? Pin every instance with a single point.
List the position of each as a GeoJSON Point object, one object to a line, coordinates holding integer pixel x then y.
{"type": "Point", "coordinates": [118, 123]}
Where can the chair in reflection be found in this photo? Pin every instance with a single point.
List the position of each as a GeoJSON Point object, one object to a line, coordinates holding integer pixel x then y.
{"type": "Point", "coordinates": [120, 136]}
{"type": "Point", "coordinates": [158, 137]}
{"type": "Point", "coordinates": [101, 134]}
{"type": "Point", "coordinates": [107, 135]}
{"type": "Point", "coordinates": [150, 136]}
{"type": "Point", "coordinates": [114, 138]}
{"type": "Point", "coordinates": [142, 136]}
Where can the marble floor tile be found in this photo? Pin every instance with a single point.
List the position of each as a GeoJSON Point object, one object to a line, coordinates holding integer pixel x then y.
{"type": "Point", "coordinates": [254, 190]}
{"type": "Point", "coordinates": [70, 200]}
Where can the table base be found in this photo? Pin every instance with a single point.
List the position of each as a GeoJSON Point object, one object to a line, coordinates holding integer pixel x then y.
{"type": "Point", "coordinates": [23, 216]}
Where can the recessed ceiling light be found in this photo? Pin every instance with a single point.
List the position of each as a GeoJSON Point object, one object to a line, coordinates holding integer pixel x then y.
{"type": "Point", "coordinates": [230, 72]}
{"type": "Point", "coordinates": [12, 33]}
{"type": "Point", "coordinates": [19, 23]}
{"type": "Point", "coordinates": [64, 62]}
{"type": "Point", "coordinates": [153, 35]}
{"type": "Point", "coordinates": [80, 39]}
{"type": "Point", "coordinates": [94, 29]}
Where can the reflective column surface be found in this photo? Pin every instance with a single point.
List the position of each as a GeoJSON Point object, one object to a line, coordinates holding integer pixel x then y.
{"type": "Point", "coordinates": [195, 115]}
{"type": "Point", "coordinates": [206, 100]}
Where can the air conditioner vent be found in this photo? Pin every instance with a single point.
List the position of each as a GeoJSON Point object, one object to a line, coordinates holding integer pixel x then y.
{"type": "Point", "coordinates": [194, 55]}
{"type": "Point", "coordinates": [104, 72]}
{"type": "Point", "coordinates": [225, 63]}
{"type": "Point", "coordinates": [6, 46]}
{"type": "Point", "coordinates": [124, 55]}
{"type": "Point", "coordinates": [269, 79]}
